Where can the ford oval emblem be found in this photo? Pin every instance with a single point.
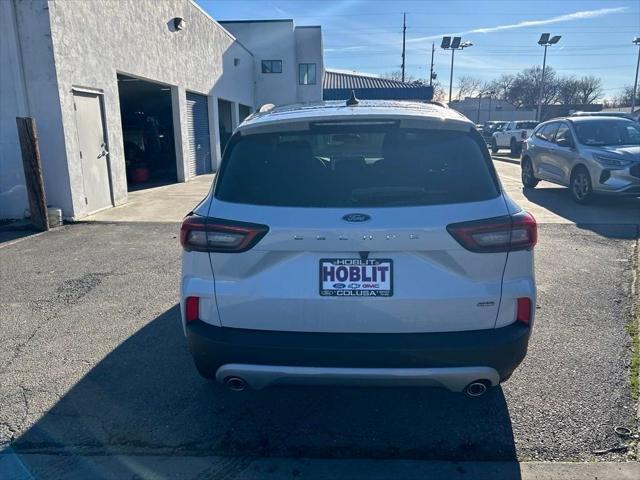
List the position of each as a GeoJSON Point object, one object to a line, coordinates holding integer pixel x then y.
{"type": "Point", "coordinates": [356, 217]}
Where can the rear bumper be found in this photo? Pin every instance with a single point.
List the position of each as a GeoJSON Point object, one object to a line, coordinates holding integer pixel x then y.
{"type": "Point", "coordinates": [358, 357]}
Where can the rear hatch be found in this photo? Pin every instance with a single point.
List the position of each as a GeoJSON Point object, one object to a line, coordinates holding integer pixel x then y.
{"type": "Point", "coordinates": [348, 228]}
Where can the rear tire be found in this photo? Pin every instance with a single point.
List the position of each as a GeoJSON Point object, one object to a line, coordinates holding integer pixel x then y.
{"type": "Point", "coordinates": [515, 148]}
{"type": "Point", "coordinates": [529, 180]}
{"type": "Point", "coordinates": [494, 146]}
{"type": "Point", "coordinates": [580, 185]}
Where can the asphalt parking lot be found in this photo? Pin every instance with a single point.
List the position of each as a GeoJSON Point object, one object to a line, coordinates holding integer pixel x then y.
{"type": "Point", "coordinates": [93, 360]}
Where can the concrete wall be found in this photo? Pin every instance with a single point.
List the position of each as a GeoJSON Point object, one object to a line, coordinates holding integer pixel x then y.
{"type": "Point", "coordinates": [90, 43]}
{"type": "Point", "coordinates": [309, 50]}
{"type": "Point", "coordinates": [93, 41]}
{"type": "Point", "coordinates": [490, 110]}
{"type": "Point", "coordinates": [28, 87]}
{"type": "Point", "coordinates": [270, 40]}
{"type": "Point", "coordinates": [279, 40]}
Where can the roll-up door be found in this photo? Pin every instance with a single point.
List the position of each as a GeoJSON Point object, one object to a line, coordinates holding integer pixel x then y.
{"type": "Point", "coordinates": [199, 160]}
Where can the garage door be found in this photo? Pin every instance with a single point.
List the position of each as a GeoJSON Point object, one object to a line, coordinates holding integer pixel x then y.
{"type": "Point", "coordinates": [199, 160]}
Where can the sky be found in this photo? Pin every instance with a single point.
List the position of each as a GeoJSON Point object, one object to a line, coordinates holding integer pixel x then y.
{"type": "Point", "coordinates": [366, 35]}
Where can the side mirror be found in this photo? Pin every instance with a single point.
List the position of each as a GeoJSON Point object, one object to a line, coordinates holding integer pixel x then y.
{"type": "Point", "coordinates": [564, 142]}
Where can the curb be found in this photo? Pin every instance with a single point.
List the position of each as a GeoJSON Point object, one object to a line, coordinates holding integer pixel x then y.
{"type": "Point", "coordinates": [31, 466]}
{"type": "Point", "coordinates": [506, 159]}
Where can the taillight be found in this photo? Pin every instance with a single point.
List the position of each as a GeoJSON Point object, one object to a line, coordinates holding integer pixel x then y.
{"type": "Point", "coordinates": [206, 234]}
{"type": "Point", "coordinates": [192, 309]}
{"type": "Point", "coordinates": [499, 234]}
{"type": "Point", "coordinates": [523, 310]}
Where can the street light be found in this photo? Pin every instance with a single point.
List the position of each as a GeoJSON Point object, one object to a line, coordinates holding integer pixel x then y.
{"type": "Point", "coordinates": [486, 92]}
{"type": "Point", "coordinates": [636, 41]}
{"type": "Point", "coordinates": [453, 44]}
{"type": "Point", "coordinates": [545, 41]}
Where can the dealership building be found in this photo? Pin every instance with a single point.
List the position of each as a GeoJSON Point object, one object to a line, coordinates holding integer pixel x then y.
{"type": "Point", "coordinates": [131, 94]}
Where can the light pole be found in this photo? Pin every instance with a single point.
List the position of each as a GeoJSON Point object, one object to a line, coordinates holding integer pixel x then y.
{"type": "Point", "coordinates": [480, 103]}
{"type": "Point", "coordinates": [453, 44]}
{"type": "Point", "coordinates": [635, 84]}
{"type": "Point", "coordinates": [491, 94]}
{"type": "Point", "coordinates": [545, 41]}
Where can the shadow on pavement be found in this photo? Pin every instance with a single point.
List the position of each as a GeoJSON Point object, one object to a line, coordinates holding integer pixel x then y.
{"type": "Point", "coordinates": [611, 217]}
{"type": "Point", "coordinates": [145, 398]}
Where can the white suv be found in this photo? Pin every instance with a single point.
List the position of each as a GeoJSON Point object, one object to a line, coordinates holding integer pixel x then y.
{"type": "Point", "coordinates": [360, 244]}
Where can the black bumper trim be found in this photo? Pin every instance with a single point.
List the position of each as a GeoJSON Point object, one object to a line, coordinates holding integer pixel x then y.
{"type": "Point", "coordinates": [501, 348]}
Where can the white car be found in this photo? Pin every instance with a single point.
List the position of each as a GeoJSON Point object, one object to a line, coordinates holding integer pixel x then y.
{"type": "Point", "coordinates": [360, 244]}
{"type": "Point", "coordinates": [512, 136]}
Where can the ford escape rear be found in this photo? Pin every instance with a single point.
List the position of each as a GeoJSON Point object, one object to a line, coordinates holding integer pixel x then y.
{"type": "Point", "coordinates": [362, 245]}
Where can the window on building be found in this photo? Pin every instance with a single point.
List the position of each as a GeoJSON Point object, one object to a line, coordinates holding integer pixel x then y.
{"type": "Point", "coordinates": [307, 74]}
{"type": "Point", "coordinates": [271, 66]}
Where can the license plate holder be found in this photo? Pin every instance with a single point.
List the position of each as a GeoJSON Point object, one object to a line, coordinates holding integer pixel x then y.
{"type": "Point", "coordinates": [355, 277]}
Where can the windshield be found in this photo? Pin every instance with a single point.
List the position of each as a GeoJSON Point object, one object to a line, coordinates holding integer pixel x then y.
{"type": "Point", "coordinates": [356, 166]}
{"type": "Point", "coordinates": [607, 132]}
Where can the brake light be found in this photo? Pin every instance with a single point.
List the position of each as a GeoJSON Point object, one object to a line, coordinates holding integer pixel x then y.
{"type": "Point", "coordinates": [206, 234]}
{"type": "Point", "coordinates": [499, 234]}
{"type": "Point", "coordinates": [523, 310]}
{"type": "Point", "coordinates": [192, 309]}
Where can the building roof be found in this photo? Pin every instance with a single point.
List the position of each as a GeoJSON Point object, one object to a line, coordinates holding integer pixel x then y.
{"type": "Point", "coordinates": [338, 110]}
{"type": "Point", "coordinates": [338, 86]}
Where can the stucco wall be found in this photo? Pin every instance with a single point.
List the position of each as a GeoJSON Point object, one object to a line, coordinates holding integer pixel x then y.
{"type": "Point", "coordinates": [29, 88]}
{"type": "Point", "coordinates": [309, 49]}
{"type": "Point", "coordinates": [270, 40]}
{"type": "Point", "coordinates": [94, 41]}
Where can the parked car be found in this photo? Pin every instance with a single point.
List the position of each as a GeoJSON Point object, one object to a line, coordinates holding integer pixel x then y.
{"type": "Point", "coordinates": [370, 244]}
{"type": "Point", "coordinates": [589, 154]}
{"type": "Point", "coordinates": [490, 128]}
{"type": "Point", "coordinates": [629, 116]}
{"type": "Point", "coordinates": [512, 136]}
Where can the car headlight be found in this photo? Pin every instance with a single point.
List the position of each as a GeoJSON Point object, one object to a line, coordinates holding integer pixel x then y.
{"type": "Point", "coordinates": [611, 162]}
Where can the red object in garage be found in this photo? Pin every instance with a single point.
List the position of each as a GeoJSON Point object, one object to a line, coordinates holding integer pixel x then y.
{"type": "Point", "coordinates": [140, 175]}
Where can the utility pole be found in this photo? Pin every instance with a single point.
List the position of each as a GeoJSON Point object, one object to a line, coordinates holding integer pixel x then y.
{"type": "Point", "coordinates": [404, 31]}
{"type": "Point", "coordinates": [636, 41]}
{"type": "Point", "coordinates": [433, 49]}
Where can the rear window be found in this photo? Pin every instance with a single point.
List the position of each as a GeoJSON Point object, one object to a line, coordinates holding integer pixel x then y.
{"type": "Point", "coordinates": [526, 125]}
{"type": "Point", "coordinates": [348, 166]}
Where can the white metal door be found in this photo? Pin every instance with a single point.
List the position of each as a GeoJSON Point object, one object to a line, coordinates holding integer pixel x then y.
{"type": "Point", "coordinates": [199, 160]}
{"type": "Point", "coordinates": [93, 153]}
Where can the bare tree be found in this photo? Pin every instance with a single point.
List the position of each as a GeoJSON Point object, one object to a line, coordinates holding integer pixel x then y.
{"type": "Point", "coordinates": [439, 94]}
{"type": "Point", "coordinates": [589, 89]}
{"type": "Point", "coordinates": [502, 85]}
{"type": "Point", "coordinates": [397, 76]}
{"type": "Point", "coordinates": [468, 86]}
{"type": "Point", "coordinates": [624, 99]}
{"type": "Point", "coordinates": [568, 90]}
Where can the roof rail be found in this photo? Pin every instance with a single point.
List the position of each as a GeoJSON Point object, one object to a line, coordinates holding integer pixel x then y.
{"type": "Point", "coordinates": [267, 107]}
{"type": "Point", "coordinates": [441, 104]}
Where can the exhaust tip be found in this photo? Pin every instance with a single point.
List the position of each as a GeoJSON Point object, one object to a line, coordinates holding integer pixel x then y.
{"type": "Point", "coordinates": [235, 384]}
{"type": "Point", "coordinates": [476, 389]}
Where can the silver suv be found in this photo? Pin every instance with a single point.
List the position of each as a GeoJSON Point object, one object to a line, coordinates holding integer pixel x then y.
{"type": "Point", "coordinates": [591, 155]}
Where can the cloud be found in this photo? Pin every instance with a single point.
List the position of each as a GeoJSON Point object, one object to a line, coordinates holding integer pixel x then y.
{"type": "Point", "coordinates": [352, 48]}
{"type": "Point", "coordinates": [585, 14]}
